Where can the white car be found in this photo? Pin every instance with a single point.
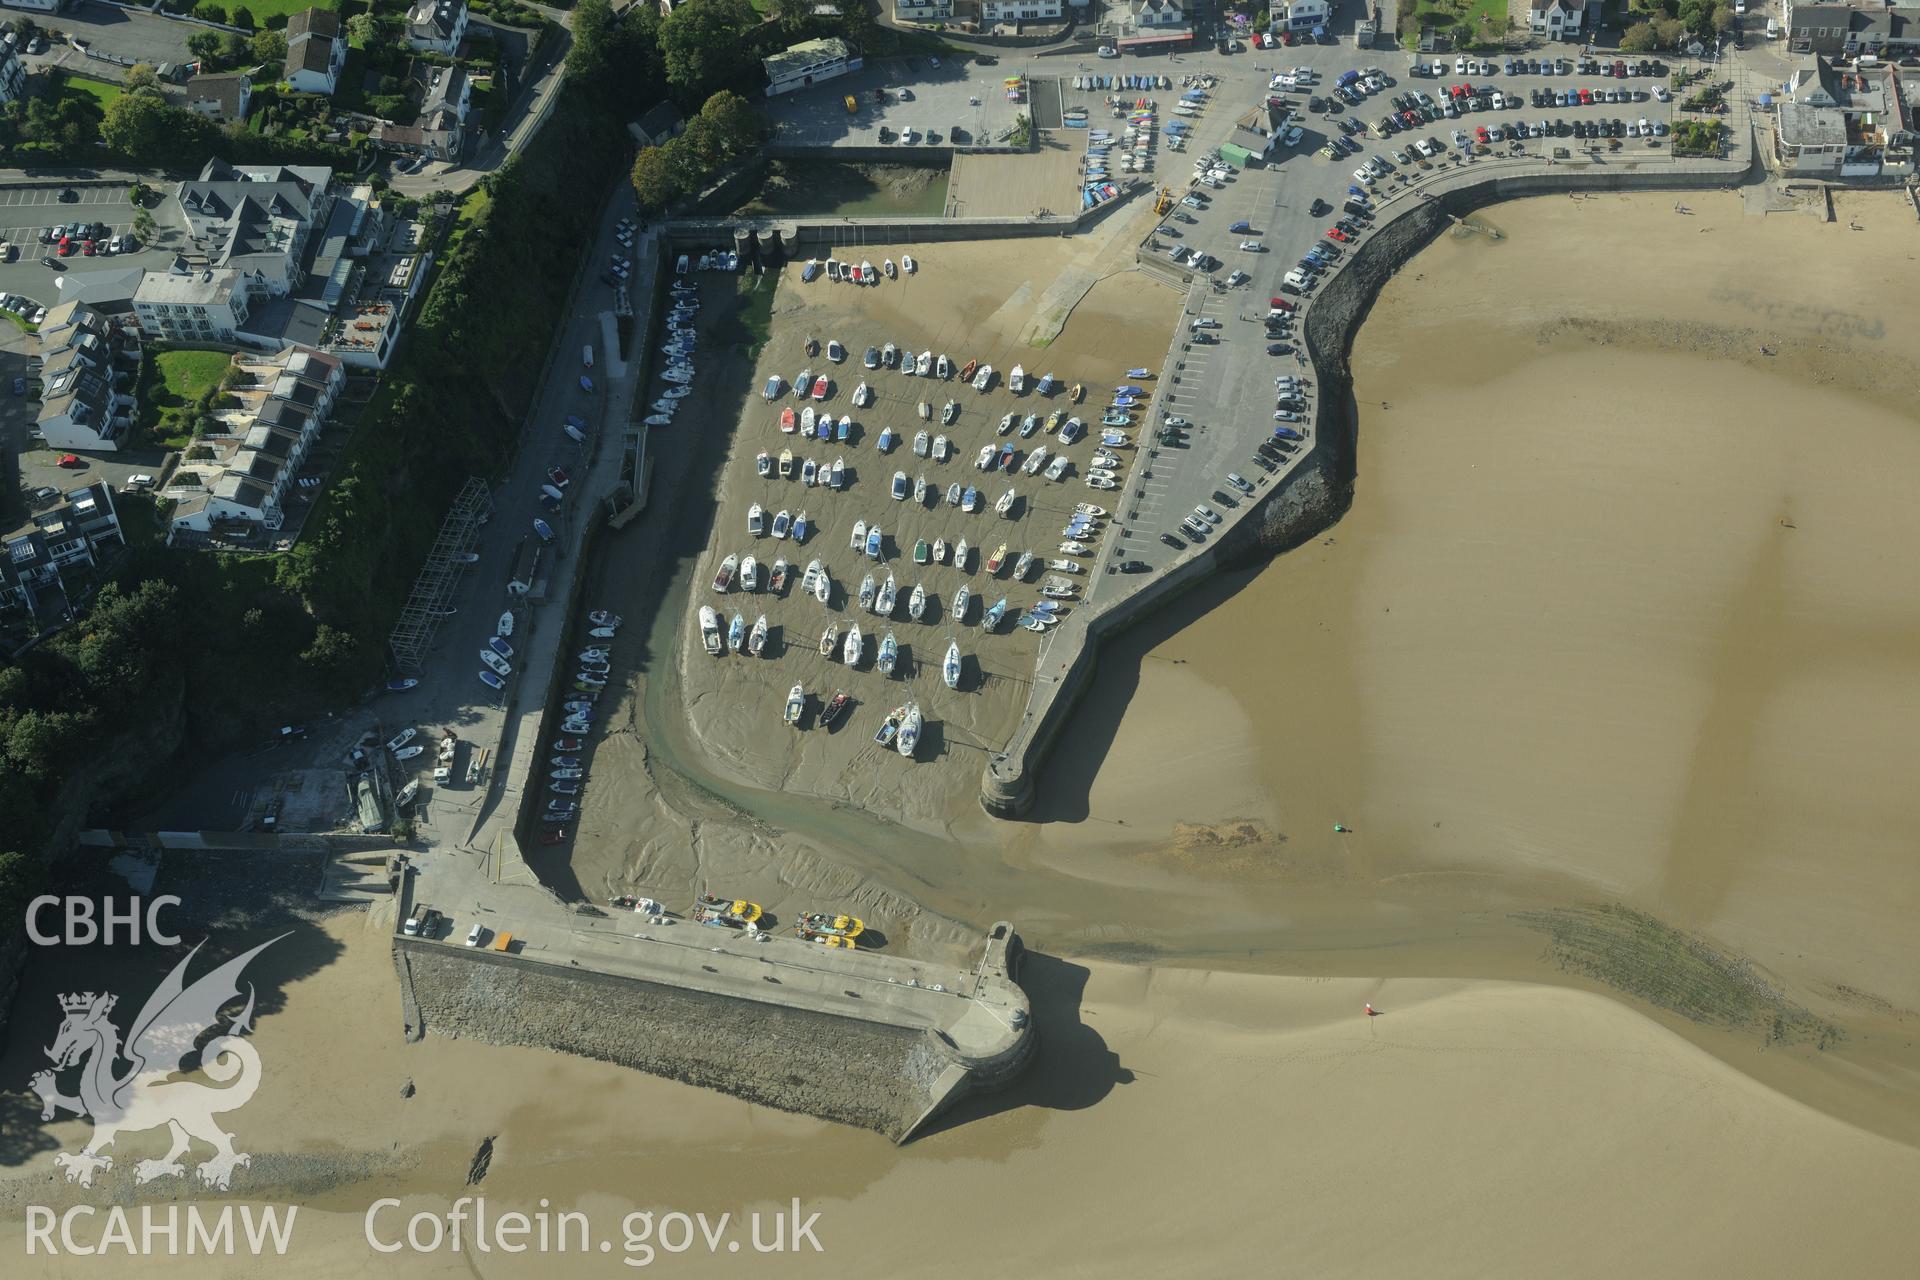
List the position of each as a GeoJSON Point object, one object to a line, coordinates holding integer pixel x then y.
{"type": "Point", "coordinates": [1207, 513]}
{"type": "Point", "coordinates": [1424, 147]}
{"type": "Point", "coordinates": [1363, 175]}
{"type": "Point", "coordinates": [476, 933]}
{"type": "Point", "coordinates": [1237, 278]}
{"type": "Point", "coordinates": [1291, 137]}
{"type": "Point", "coordinates": [1252, 246]}
{"type": "Point", "coordinates": [1460, 66]}
{"type": "Point", "coordinates": [1660, 92]}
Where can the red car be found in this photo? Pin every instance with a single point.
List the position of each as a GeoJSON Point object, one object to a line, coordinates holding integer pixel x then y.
{"type": "Point", "coordinates": [1480, 133]}
{"type": "Point", "coordinates": [1286, 38]}
{"type": "Point", "coordinates": [87, 249]}
{"type": "Point", "coordinates": [71, 461]}
{"type": "Point", "coordinates": [1337, 234]}
{"type": "Point", "coordinates": [1279, 304]}
{"type": "Point", "coordinates": [66, 247]}
{"type": "Point", "coordinates": [1586, 97]}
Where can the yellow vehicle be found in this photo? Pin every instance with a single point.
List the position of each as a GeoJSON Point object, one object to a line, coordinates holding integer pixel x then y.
{"type": "Point", "coordinates": [1164, 203]}
{"type": "Point", "coordinates": [503, 942]}
{"type": "Point", "coordinates": [853, 105]}
{"type": "Point", "coordinates": [829, 939]}
{"type": "Point", "coordinates": [735, 912]}
{"type": "Point", "coordinates": [837, 925]}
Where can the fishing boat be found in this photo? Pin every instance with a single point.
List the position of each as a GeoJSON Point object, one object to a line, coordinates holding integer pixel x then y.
{"type": "Point", "coordinates": [1105, 461]}
{"type": "Point", "coordinates": [961, 599]}
{"type": "Point", "coordinates": [889, 653]}
{"type": "Point", "coordinates": [922, 444]}
{"type": "Point", "coordinates": [907, 263]}
{"type": "Point", "coordinates": [953, 494]}
{"type": "Point", "coordinates": [1059, 591]}
{"type": "Point", "coordinates": [402, 685]}
{"type": "Point", "coordinates": [796, 703]}
{"type": "Point", "coordinates": [1029, 425]}
{"type": "Point", "coordinates": [1035, 460]}
{"type": "Point", "coordinates": [749, 574]}
{"type": "Point", "coordinates": [868, 589]}
{"type": "Point", "coordinates": [710, 629]}
{"type": "Point", "coordinates": [983, 380]}
{"type": "Point", "coordinates": [810, 272]}
{"type": "Point", "coordinates": [1115, 440]}
{"type": "Point", "coordinates": [889, 726]}
{"type": "Point", "coordinates": [789, 420]}
{"type": "Point", "coordinates": [836, 352]}
{"type": "Point", "coordinates": [1022, 566]}
{"type": "Point", "coordinates": [781, 523]}
{"type": "Point", "coordinates": [763, 463]}
{"type": "Point", "coordinates": [991, 618]}
{"type": "Point", "coordinates": [868, 274]}
{"type": "Point", "coordinates": [837, 473]}
{"type": "Point", "coordinates": [1072, 429]}
{"type": "Point", "coordinates": [884, 602]}
{"type": "Point", "coordinates": [943, 367]}
{"type": "Point", "coordinates": [830, 640]}
{"type": "Point", "coordinates": [1115, 420]}
{"type": "Point", "coordinates": [888, 267]}
{"type": "Point", "coordinates": [970, 500]}
{"type": "Point", "coordinates": [723, 577]}
{"type": "Point", "coordinates": [917, 602]}
{"type": "Point", "coordinates": [923, 364]}
{"type": "Point", "coordinates": [809, 473]}
{"type": "Point", "coordinates": [926, 411]}
{"type": "Point", "coordinates": [966, 370]}
{"type": "Point", "coordinates": [921, 551]}
{"type": "Point", "coordinates": [909, 736]}
{"type": "Point", "coordinates": [873, 543]}
{"type": "Point", "coordinates": [920, 489]}
{"type": "Point", "coordinates": [1006, 423]}
{"type": "Point", "coordinates": [1057, 469]}
{"type": "Point", "coordinates": [1088, 509]}
{"type": "Point", "coordinates": [737, 633]}
{"type": "Point", "coordinates": [1005, 461]}
{"type": "Point", "coordinates": [854, 649]}
{"type": "Point", "coordinates": [806, 419]}
{"type": "Point", "coordinates": [756, 520]}
{"type": "Point", "coordinates": [1035, 622]}
{"type": "Point", "coordinates": [803, 384]}
{"type": "Point", "coordinates": [939, 550]}
{"type": "Point", "coordinates": [950, 669]}
{"type": "Point", "coordinates": [962, 556]}
{"type": "Point", "coordinates": [985, 461]}
{"type": "Point", "coordinates": [816, 580]}
{"type": "Point", "coordinates": [602, 633]}
{"type": "Point", "coordinates": [900, 486]}
{"type": "Point", "coordinates": [1046, 386]}
{"type": "Point", "coordinates": [757, 638]}
{"type": "Point", "coordinates": [859, 539]}
{"type": "Point", "coordinates": [820, 387]}
{"type": "Point", "coordinates": [862, 396]}
{"type": "Point", "coordinates": [658, 419]}
{"type": "Point", "coordinates": [836, 706]}
{"type": "Point", "coordinates": [889, 355]}
{"type": "Point", "coordinates": [998, 558]}
{"type": "Point", "coordinates": [887, 439]}
{"type": "Point", "coordinates": [1075, 392]}
{"type": "Point", "coordinates": [786, 463]}
{"type": "Point", "coordinates": [603, 618]}
{"type": "Point", "coordinates": [1074, 548]}
{"type": "Point", "coordinates": [1017, 380]}
{"type": "Point", "coordinates": [800, 527]}
{"type": "Point", "coordinates": [1102, 482]}
{"type": "Point", "coordinates": [812, 345]}
{"type": "Point", "coordinates": [781, 572]}
{"type": "Point", "coordinates": [1004, 506]}
{"type": "Point", "coordinates": [1066, 566]}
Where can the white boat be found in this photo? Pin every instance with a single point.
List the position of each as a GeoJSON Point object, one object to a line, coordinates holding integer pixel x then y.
{"type": "Point", "coordinates": [756, 520]}
{"type": "Point", "coordinates": [859, 539]}
{"type": "Point", "coordinates": [781, 523]}
{"type": "Point", "coordinates": [891, 270]}
{"type": "Point", "coordinates": [796, 703]}
{"type": "Point", "coordinates": [889, 355]}
{"type": "Point", "coordinates": [602, 633]}
{"type": "Point", "coordinates": [923, 365]}
{"type": "Point", "coordinates": [836, 352]}
{"type": "Point", "coordinates": [940, 448]}
{"type": "Point", "coordinates": [1066, 566]}
{"type": "Point", "coordinates": [949, 413]}
{"type": "Point", "coordinates": [961, 599]}
{"type": "Point", "coordinates": [985, 461]}
{"type": "Point", "coordinates": [943, 367]}
{"type": "Point", "coordinates": [868, 589]}
{"type": "Point", "coordinates": [822, 585]}
{"type": "Point", "coordinates": [1057, 469]}
{"type": "Point", "coordinates": [884, 602]}
{"type": "Point", "coordinates": [868, 274]}
{"type": "Point", "coordinates": [983, 379]}
{"type": "Point", "coordinates": [763, 464]}
{"type": "Point", "coordinates": [922, 444]}
{"type": "Point", "coordinates": [907, 263]}
{"type": "Point", "coordinates": [950, 669]}
{"type": "Point", "coordinates": [786, 464]}
{"type": "Point", "coordinates": [1101, 482]}
{"type": "Point", "coordinates": [1088, 509]}
{"type": "Point", "coordinates": [778, 583]}
{"type": "Point", "coordinates": [961, 554]}
{"type": "Point", "coordinates": [1017, 380]}
{"type": "Point", "coordinates": [837, 473]}
{"type": "Point", "coordinates": [953, 494]}
{"type": "Point", "coordinates": [737, 632]}
{"type": "Point", "coordinates": [723, 578]}
{"type": "Point", "coordinates": [750, 574]}
{"type": "Point", "coordinates": [1035, 460]}
{"type": "Point", "coordinates": [807, 419]}
{"type": "Point", "coordinates": [855, 649]}
{"type": "Point", "coordinates": [920, 489]}
{"type": "Point", "coordinates": [830, 640]}
{"type": "Point", "coordinates": [810, 272]}
{"type": "Point", "coordinates": [757, 638]}
{"type": "Point", "coordinates": [939, 550]}
{"type": "Point", "coordinates": [1005, 504]}
{"type": "Point", "coordinates": [909, 735]}
{"type": "Point", "coordinates": [809, 473]}
{"type": "Point", "coordinates": [1047, 385]}
{"type": "Point", "coordinates": [926, 411]}
{"type": "Point", "coordinates": [1022, 566]}
{"type": "Point", "coordinates": [917, 602]}
{"type": "Point", "coordinates": [861, 396]}
{"type": "Point", "coordinates": [900, 488]}
{"type": "Point", "coordinates": [889, 654]}
{"type": "Point", "coordinates": [1076, 548]}
{"type": "Point", "coordinates": [1006, 423]}
{"type": "Point", "coordinates": [803, 384]}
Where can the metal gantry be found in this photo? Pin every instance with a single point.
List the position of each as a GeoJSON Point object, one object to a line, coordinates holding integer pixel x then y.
{"type": "Point", "coordinates": [428, 604]}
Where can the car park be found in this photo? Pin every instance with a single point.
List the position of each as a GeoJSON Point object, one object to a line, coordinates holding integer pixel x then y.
{"type": "Point", "coordinates": [1239, 482]}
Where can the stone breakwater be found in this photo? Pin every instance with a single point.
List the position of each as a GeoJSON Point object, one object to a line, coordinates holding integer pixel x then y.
{"type": "Point", "coordinates": [912, 1054]}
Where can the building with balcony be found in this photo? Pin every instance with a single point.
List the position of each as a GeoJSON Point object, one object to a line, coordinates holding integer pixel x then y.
{"type": "Point", "coordinates": [437, 26]}
{"type": "Point", "coordinates": [255, 220]}
{"type": "Point", "coordinates": [316, 51]}
{"type": "Point", "coordinates": [88, 365]}
{"type": "Point", "coordinates": [35, 560]}
{"type": "Point", "coordinates": [808, 63]}
{"type": "Point", "coordinates": [1850, 30]}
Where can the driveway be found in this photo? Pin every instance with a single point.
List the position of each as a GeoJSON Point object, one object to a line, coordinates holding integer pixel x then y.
{"type": "Point", "coordinates": [26, 211]}
{"type": "Point", "coordinates": [130, 35]}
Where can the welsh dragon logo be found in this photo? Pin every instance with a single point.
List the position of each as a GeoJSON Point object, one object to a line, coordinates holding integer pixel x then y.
{"type": "Point", "coordinates": [142, 1096]}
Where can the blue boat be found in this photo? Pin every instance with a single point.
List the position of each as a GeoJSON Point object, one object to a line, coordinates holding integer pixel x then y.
{"type": "Point", "coordinates": [991, 618]}
{"type": "Point", "coordinates": [873, 544]}
{"type": "Point", "coordinates": [1115, 420]}
{"type": "Point", "coordinates": [846, 425]}
{"type": "Point", "coordinates": [800, 527]}
{"type": "Point", "coordinates": [1131, 390]}
{"type": "Point", "coordinates": [970, 500]}
{"type": "Point", "coordinates": [586, 384]}
{"type": "Point", "coordinates": [574, 420]}
{"type": "Point", "coordinates": [886, 439]}
{"type": "Point", "coordinates": [544, 529]}
{"type": "Point", "coordinates": [824, 431]}
{"type": "Point", "coordinates": [401, 686]}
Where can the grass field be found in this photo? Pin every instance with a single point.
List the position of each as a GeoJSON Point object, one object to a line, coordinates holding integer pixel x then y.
{"type": "Point", "coordinates": [185, 375]}
{"type": "Point", "coordinates": [264, 9]}
{"type": "Point", "coordinates": [99, 90]}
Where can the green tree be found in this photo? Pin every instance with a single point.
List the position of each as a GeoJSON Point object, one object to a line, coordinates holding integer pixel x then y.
{"type": "Point", "coordinates": [268, 46]}
{"type": "Point", "coordinates": [243, 17]}
{"type": "Point", "coordinates": [1639, 38]}
{"type": "Point", "coordinates": [1669, 33]}
{"type": "Point", "coordinates": [655, 181]}
{"type": "Point", "coordinates": [141, 75]}
{"type": "Point", "coordinates": [363, 29]}
{"type": "Point", "coordinates": [794, 16]}
{"type": "Point", "coordinates": [135, 125]}
{"type": "Point", "coordinates": [1722, 19]}
{"type": "Point", "coordinates": [205, 45]}
{"type": "Point", "coordinates": [736, 125]}
{"type": "Point", "coordinates": [211, 12]}
{"type": "Point", "coordinates": [143, 226]}
{"type": "Point", "coordinates": [592, 28]}
{"type": "Point", "coordinates": [703, 46]}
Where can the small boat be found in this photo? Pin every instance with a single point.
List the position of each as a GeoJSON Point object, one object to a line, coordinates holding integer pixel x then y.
{"type": "Point", "coordinates": [1047, 384]}
{"type": "Point", "coordinates": [873, 542]}
{"type": "Point", "coordinates": [775, 385]}
{"type": "Point", "coordinates": [820, 387]}
{"type": "Point", "coordinates": [781, 523]}
{"type": "Point", "coordinates": [889, 354]}
{"type": "Point", "coordinates": [806, 419]}
{"type": "Point", "coordinates": [837, 473]}
{"type": "Point", "coordinates": [854, 649]}
{"type": "Point", "coordinates": [491, 680]}
{"type": "Point", "coordinates": [809, 473]}
{"type": "Point", "coordinates": [789, 420]}
{"type": "Point", "coordinates": [1107, 462]}
{"type": "Point", "coordinates": [836, 706]}
{"type": "Point", "coordinates": [1071, 430]}
{"type": "Point", "coordinates": [1022, 566]}
{"type": "Point", "coordinates": [1075, 392]}
{"type": "Point", "coordinates": [926, 411]}
{"type": "Point", "coordinates": [812, 345]}
{"type": "Point", "coordinates": [601, 633]}
{"type": "Point", "coordinates": [887, 439]}
{"type": "Point", "coordinates": [871, 360]}
{"type": "Point", "coordinates": [756, 520]}
{"type": "Point", "coordinates": [402, 685]}
{"type": "Point", "coordinates": [970, 500]}
{"type": "Point", "coordinates": [949, 413]}
{"type": "Point", "coordinates": [962, 554]}
{"type": "Point", "coordinates": [1017, 380]}
{"type": "Point", "coordinates": [859, 539]}
{"type": "Point", "coordinates": [953, 494]}
{"type": "Point", "coordinates": [868, 589]}
{"type": "Point", "coordinates": [1004, 506]}
{"type": "Point", "coordinates": [737, 632]}
{"type": "Point", "coordinates": [950, 669]}
{"type": "Point", "coordinates": [941, 448]}
{"type": "Point", "coordinates": [830, 640]}
{"type": "Point", "coordinates": [889, 268]}
{"type": "Point", "coordinates": [961, 599]}
{"type": "Point", "coordinates": [991, 618]}
{"type": "Point", "coordinates": [796, 703]}
{"type": "Point", "coordinates": [1037, 622]}
{"type": "Point", "coordinates": [1114, 440]}
{"type": "Point", "coordinates": [1035, 460]}
{"type": "Point", "coordinates": [889, 653]}
{"type": "Point", "coordinates": [1057, 469]}
{"type": "Point", "coordinates": [917, 602]}
{"type": "Point", "coordinates": [1059, 591]}
{"type": "Point", "coordinates": [985, 461]}
{"type": "Point", "coordinates": [998, 558]}
{"type": "Point", "coordinates": [1115, 420]}
{"type": "Point", "coordinates": [909, 736]}
{"type": "Point", "coordinates": [966, 370]}
{"type": "Point", "coordinates": [921, 551]}
{"type": "Point", "coordinates": [749, 574]}
{"type": "Point", "coordinates": [763, 463]}
{"type": "Point", "coordinates": [836, 352]}
{"type": "Point", "coordinates": [884, 602]}
{"type": "Point", "coordinates": [786, 464]}
{"type": "Point", "coordinates": [1006, 423]}
{"type": "Point", "coordinates": [544, 530]}
{"type": "Point", "coordinates": [723, 577]}
{"type": "Point", "coordinates": [1053, 420]}
{"type": "Point", "coordinates": [920, 489]}
{"type": "Point", "coordinates": [939, 550]}
{"type": "Point", "coordinates": [907, 263]}
{"type": "Point", "coordinates": [803, 384]}
{"type": "Point", "coordinates": [781, 572]}
{"type": "Point", "coordinates": [868, 274]}
{"type": "Point", "coordinates": [1088, 509]}
{"type": "Point", "coordinates": [602, 618]}
{"type": "Point", "coordinates": [900, 486]}
{"type": "Point", "coordinates": [923, 364]}
{"type": "Point", "coordinates": [889, 726]}
{"type": "Point", "coordinates": [1066, 566]}
{"type": "Point", "coordinates": [816, 580]}
{"type": "Point", "coordinates": [757, 638]}
{"type": "Point", "coordinates": [943, 367]}
{"type": "Point", "coordinates": [800, 527]}
{"type": "Point", "coordinates": [922, 444]}
{"type": "Point", "coordinates": [1073, 548]}
{"type": "Point", "coordinates": [1029, 425]}
{"type": "Point", "coordinates": [862, 396]}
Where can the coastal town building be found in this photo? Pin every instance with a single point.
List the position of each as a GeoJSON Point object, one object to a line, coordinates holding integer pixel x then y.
{"type": "Point", "coordinates": [1849, 30]}
{"type": "Point", "coordinates": [13, 75]}
{"type": "Point", "coordinates": [926, 11]}
{"type": "Point", "coordinates": [1835, 123]}
{"type": "Point", "coordinates": [1563, 19]}
{"type": "Point", "coordinates": [995, 11]}
{"type": "Point", "coordinates": [88, 365]}
{"type": "Point", "coordinates": [36, 561]}
{"type": "Point", "coordinates": [1255, 135]}
{"type": "Point", "coordinates": [222, 98]}
{"type": "Point", "coordinates": [195, 305]}
{"type": "Point", "coordinates": [316, 51]}
{"type": "Point", "coordinates": [1150, 26]}
{"type": "Point", "coordinates": [661, 123]}
{"type": "Point", "coordinates": [255, 220]}
{"type": "Point", "coordinates": [36, 6]}
{"type": "Point", "coordinates": [809, 63]}
{"type": "Point", "coordinates": [1302, 15]}
{"type": "Point", "coordinates": [437, 26]}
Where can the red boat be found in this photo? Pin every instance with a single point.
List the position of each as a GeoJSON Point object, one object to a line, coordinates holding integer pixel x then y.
{"type": "Point", "coordinates": [819, 388]}
{"type": "Point", "coordinates": [835, 707]}
{"type": "Point", "coordinates": [787, 421]}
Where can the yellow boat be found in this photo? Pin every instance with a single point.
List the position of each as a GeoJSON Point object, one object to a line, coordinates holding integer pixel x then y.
{"type": "Point", "coordinates": [829, 939]}
{"type": "Point", "coordinates": [840, 926]}
{"type": "Point", "coordinates": [1074, 395]}
{"type": "Point", "coordinates": [737, 912]}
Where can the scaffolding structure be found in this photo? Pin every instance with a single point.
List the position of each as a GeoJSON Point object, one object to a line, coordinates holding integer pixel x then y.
{"type": "Point", "coordinates": [428, 603]}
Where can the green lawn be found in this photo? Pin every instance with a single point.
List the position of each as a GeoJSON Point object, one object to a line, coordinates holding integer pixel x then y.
{"type": "Point", "coordinates": [1459, 19]}
{"type": "Point", "coordinates": [264, 9]}
{"type": "Point", "coordinates": [99, 90]}
{"type": "Point", "coordinates": [186, 375]}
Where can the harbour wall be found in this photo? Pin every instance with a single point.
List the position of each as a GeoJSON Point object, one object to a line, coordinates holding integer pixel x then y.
{"type": "Point", "coordinates": [1313, 496]}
